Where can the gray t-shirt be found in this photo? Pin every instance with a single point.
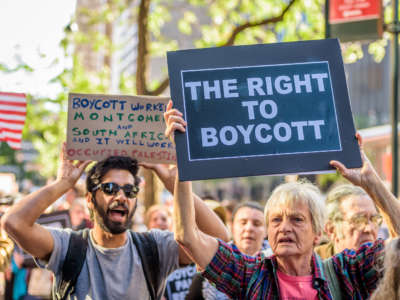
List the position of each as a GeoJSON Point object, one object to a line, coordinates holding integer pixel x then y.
{"type": "Point", "coordinates": [113, 273]}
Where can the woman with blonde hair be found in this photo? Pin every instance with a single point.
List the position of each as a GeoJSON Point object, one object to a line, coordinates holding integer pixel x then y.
{"type": "Point", "coordinates": [158, 216]}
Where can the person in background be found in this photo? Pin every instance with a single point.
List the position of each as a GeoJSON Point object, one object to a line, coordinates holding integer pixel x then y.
{"type": "Point", "coordinates": [18, 275]}
{"type": "Point", "coordinates": [6, 244]}
{"type": "Point", "coordinates": [353, 220]}
{"type": "Point", "coordinates": [248, 228]}
{"type": "Point", "coordinates": [11, 261]}
{"type": "Point", "coordinates": [178, 282]}
{"type": "Point", "coordinates": [158, 216]}
{"type": "Point", "coordinates": [249, 233]}
{"type": "Point", "coordinates": [79, 215]}
{"type": "Point", "coordinates": [389, 286]}
{"type": "Point", "coordinates": [65, 202]}
{"type": "Point", "coordinates": [216, 207]}
{"type": "Point", "coordinates": [229, 206]}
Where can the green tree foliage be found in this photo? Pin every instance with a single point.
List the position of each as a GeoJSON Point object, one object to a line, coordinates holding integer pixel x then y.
{"type": "Point", "coordinates": [206, 22]}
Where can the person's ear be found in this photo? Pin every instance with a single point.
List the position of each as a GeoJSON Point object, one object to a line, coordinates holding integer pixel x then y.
{"type": "Point", "coordinates": [89, 202]}
{"type": "Point", "coordinates": [330, 230]}
{"type": "Point", "coordinates": [317, 239]}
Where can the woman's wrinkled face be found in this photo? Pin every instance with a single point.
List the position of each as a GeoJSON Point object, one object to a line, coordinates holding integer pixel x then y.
{"type": "Point", "coordinates": [290, 230]}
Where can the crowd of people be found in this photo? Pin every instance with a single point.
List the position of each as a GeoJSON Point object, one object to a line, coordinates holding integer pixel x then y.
{"type": "Point", "coordinates": [300, 245]}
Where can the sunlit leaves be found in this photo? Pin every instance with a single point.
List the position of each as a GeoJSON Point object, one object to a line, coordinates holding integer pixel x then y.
{"type": "Point", "coordinates": [351, 52]}
{"type": "Point", "coordinates": [185, 23]}
{"type": "Point", "coordinates": [378, 49]}
{"type": "Point", "coordinates": [173, 25]}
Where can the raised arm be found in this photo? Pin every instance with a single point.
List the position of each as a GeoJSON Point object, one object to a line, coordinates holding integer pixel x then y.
{"type": "Point", "coordinates": [367, 178]}
{"type": "Point", "coordinates": [198, 245]}
{"type": "Point", "coordinates": [19, 221]}
{"type": "Point", "coordinates": [206, 220]}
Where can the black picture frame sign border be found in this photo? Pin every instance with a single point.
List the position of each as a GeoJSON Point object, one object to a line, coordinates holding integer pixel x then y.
{"type": "Point", "coordinates": [256, 55]}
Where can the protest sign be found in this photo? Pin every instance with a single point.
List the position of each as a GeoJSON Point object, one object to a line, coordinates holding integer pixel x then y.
{"type": "Point", "coordinates": [106, 125]}
{"type": "Point", "coordinates": [262, 109]}
{"type": "Point", "coordinates": [179, 281]}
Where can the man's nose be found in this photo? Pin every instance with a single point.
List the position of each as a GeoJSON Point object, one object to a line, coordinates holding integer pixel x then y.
{"type": "Point", "coordinates": [249, 226]}
{"type": "Point", "coordinates": [121, 195]}
{"type": "Point", "coordinates": [369, 226]}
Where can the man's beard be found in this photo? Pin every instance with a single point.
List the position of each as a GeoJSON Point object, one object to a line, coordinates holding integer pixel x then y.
{"type": "Point", "coordinates": [101, 218]}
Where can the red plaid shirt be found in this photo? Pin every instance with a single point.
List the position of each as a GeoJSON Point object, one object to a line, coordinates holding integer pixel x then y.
{"type": "Point", "coordinates": [244, 277]}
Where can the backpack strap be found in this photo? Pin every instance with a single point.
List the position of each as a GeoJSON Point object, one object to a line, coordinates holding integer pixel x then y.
{"type": "Point", "coordinates": [148, 253]}
{"type": "Point", "coordinates": [73, 263]}
{"type": "Point", "coordinates": [333, 282]}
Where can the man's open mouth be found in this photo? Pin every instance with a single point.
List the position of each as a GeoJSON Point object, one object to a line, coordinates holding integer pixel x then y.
{"type": "Point", "coordinates": [117, 214]}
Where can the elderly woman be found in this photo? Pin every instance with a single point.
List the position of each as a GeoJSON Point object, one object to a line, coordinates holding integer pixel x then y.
{"type": "Point", "coordinates": [294, 218]}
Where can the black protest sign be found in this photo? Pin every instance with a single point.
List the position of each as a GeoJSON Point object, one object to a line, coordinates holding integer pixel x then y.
{"type": "Point", "coordinates": [178, 282]}
{"type": "Point", "coordinates": [262, 109]}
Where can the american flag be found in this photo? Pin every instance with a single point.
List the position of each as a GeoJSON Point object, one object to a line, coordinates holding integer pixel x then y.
{"type": "Point", "coordinates": [12, 118]}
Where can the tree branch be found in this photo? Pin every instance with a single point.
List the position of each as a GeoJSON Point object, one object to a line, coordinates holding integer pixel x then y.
{"type": "Point", "coordinates": [244, 26]}
{"type": "Point", "coordinates": [161, 87]}
{"type": "Point", "coordinates": [142, 48]}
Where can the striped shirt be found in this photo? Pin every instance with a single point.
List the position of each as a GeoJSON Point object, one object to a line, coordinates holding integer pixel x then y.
{"type": "Point", "coordinates": [244, 277]}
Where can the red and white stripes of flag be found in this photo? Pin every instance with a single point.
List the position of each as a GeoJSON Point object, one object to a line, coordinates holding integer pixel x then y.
{"type": "Point", "coordinates": [12, 118]}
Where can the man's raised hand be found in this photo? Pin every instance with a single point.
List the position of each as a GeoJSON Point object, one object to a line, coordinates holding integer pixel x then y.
{"type": "Point", "coordinates": [69, 170]}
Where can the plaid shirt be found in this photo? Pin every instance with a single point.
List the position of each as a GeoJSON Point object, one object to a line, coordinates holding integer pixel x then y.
{"type": "Point", "coordinates": [245, 277]}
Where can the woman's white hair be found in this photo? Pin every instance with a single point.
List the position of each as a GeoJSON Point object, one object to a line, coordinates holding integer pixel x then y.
{"type": "Point", "coordinates": [294, 192]}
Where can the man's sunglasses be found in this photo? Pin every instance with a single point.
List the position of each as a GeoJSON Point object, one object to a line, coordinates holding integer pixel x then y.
{"type": "Point", "coordinates": [112, 188]}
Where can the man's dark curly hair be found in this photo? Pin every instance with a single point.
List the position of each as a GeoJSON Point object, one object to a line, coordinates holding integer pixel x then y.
{"type": "Point", "coordinates": [97, 172]}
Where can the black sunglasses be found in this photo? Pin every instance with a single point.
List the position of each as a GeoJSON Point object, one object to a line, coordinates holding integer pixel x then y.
{"type": "Point", "coordinates": [112, 188]}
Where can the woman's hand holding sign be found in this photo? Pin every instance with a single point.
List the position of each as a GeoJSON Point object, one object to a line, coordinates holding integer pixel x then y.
{"type": "Point", "coordinates": [174, 121]}
{"type": "Point", "coordinates": [359, 176]}
{"type": "Point", "coordinates": [367, 178]}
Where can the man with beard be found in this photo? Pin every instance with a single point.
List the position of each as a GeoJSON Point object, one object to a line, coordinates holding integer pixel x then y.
{"type": "Point", "coordinates": [112, 268]}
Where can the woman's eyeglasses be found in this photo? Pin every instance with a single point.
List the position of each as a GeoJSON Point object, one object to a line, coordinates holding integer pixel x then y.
{"type": "Point", "coordinates": [112, 188]}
